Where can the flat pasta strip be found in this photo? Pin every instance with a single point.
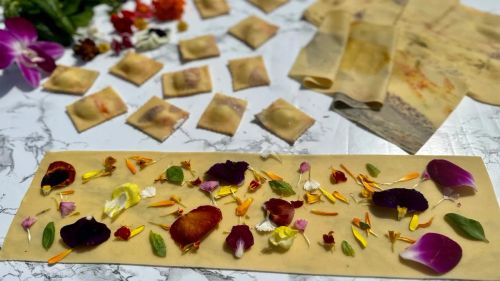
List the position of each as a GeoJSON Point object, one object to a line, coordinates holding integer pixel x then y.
{"type": "Point", "coordinates": [248, 73]}
{"type": "Point", "coordinates": [285, 120]}
{"type": "Point", "coordinates": [317, 63]}
{"type": "Point", "coordinates": [201, 47]}
{"type": "Point", "coordinates": [268, 5]}
{"type": "Point", "coordinates": [211, 8]}
{"type": "Point", "coordinates": [223, 114]}
{"type": "Point", "coordinates": [253, 31]}
{"type": "Point", "coordinates": [136, 68]}
{"type": "Point", "coordinates": [71, 80]}
{"type": "Point", "coordinates": [366, 66]}
{"type": "Point", "coordinates": [187, 82]}
{"type": "Point", "coordinates": [93, 110]}
{"type": "Point", "coordinates": [158, 118]}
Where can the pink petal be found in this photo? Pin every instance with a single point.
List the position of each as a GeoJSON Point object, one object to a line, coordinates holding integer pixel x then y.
{"type": "Point", "coordinates": [32, 75]}
{"type": "Point", "coordinates": [28, 222]}
{"type": "Point", "coordinates": [66, 208]}
{"type": "Point", "coordinates": [209, 186]}
{"type": "Point", "coordinates": [48, 64]}
{"type": "Point", "coordinates": [50, 48]}
{"type": "Point", "coordinates": [22, 29]}
{"type": "Point", "coordinates": [7, 53]}
{"type": "Point", "coordinates": [300, 224]}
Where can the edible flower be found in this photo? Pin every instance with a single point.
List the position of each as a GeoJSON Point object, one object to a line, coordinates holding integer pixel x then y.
{"type": "Point", "coordinates": [402, 199]}
{"type": "Point", "coordinates": [239, 240]}
{"type": "Point", "coordinates": [165, 10]}
{"type": "Point", "coordinates": [323, 213]}
{"type": "Point", "coordinates": [209, 187]}
{"type": "Point", "coordinates": [283, 237]}
{"type": "Point", "coordinates": [436, 251]}
{"type": "Point", "coordinates": [18, 43]}
{"type": "Point", "coordinates": [414, 223]}
{"type": "Point", "coordinates": [86, 49]}
{"type": "Point", "coordinates": [186, 165]}
{"type": "Point", "coordinates": [312, 198]}
{"type": "Point", "coordinates": [27, 223]}
{"type": "Point", "coordinates": [66, 208]}
{"type": "Point", "coordinates": [59, 174]}
{"type": "Point", "coordinates": [109, 168]}
{"type": "Point", "coordinates": [125, 233]}
{"type": "Point", "coordinates": [300, 225]}
{"type": "Point", "coordinates": [340, 196]}
{"type": "Point", "coordinates": [311, 185]}
{"type": "Point", "coordinates": [123, 21]}
{"type": "Point", "coordinates": [226, 190]}
{"type": "Point", "coordinates": [328, 241]}
{"type": "Point", "coordinates": [148, 192]}
{"type": "Point", "coordinates": [243, 206]}
{"type": "Point", "coordinates": [408, 177]}
{"type": "Point", "coordinates": [337, 176]}
{"type": "Point", "coordinates": [362, 241]}
{"type": "Point", "coordinates": [328, 195]}
{"type": "Point", "coordinates": [280, 211]}
{"type": "Point", "coordinates": [394, 236]}
{"type": "Point", "coordinates": [122, 198]}
{"type": "Point", "coordinates": [232, 173]}
{"type": "Point", "coordinates": [195, 182]}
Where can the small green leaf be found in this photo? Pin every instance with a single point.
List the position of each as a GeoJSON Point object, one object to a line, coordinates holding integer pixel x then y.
{"type": "Point", "coordinates": [281, 187]}
{"type": "Point", "coordinates": [48, 235]}
{"type": "Point", "coordinates": [157, 244]}
{"type": "Point", "coordinates": [83, 18]}
{"type": "Point", "coordinates": [372, 170]}
{"type": "Point", "coordinates": [175, 174]}
{"type": "Point", "coordinates": [466, 227]}
{"type": "Point", "coordinates": [347, 249]}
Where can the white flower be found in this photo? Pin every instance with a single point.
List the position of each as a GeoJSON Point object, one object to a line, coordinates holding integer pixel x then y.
{"type": "Point", "coordinates": [148, 192]}
{"type": "Point", "coordinates": [311, 185]}
{"type": "Point", "coordinates": [265, 226]}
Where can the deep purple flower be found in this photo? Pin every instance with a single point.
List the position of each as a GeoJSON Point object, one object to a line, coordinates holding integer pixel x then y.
{"type": "Point", "coordinates": [18, 43]}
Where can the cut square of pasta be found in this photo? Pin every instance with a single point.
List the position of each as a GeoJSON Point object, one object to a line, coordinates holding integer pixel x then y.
{"type": "Point", "coordinates": [285, 120]}
{"type": "Point", "coordinates": [95, 109]}
{"type": "Point", "coordinates": [136, 68]}
{"type": "Point", "coordinates": [223, 114]}
{"type": "Point", "coordinates": [253, 31]}
{"type": "Point", "coordinates": [268, 5]}
{"type": "Point", "coordinates": [158, 118]}
{"type": "Point", "coordinates": [211, 8]}
{"type": "Point", "coordinates": [71, 80]}
{"type": "Point", "coordinates": [187, 82]}
{"type": "Point", "coordinates": [201, 47]}
{"type": "Point", "coordinates": [248, 72]}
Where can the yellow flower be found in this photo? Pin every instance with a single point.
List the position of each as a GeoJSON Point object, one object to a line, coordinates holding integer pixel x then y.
{"type": "Point", "coordinates": [283, 237]}
{"type": "Point", "coordinates": [122, 198]}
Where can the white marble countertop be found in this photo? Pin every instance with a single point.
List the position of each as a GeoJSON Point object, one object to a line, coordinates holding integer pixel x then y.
{"type": "Point", "coordinates": [33, 122]}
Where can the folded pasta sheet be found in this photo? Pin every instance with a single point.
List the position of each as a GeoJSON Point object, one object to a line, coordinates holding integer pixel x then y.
{"type": "Point", "coordinates": [318, 62]}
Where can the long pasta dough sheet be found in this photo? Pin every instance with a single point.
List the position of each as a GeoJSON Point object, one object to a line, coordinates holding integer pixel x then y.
{"type": "Point", "coordinates": [479, 260]}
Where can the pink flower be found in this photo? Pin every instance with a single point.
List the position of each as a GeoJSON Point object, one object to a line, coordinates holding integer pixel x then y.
{"type": "Point", "coordinates": [18, 43]}
{"type": "Point", "coordinates": [209, 186]}
{"type": "Point", "coordinates": [304, 167]}
{"type": "Point", "coordinates": [28, 222]}
{"type": "Point", "coordinates": [66, 208]}
{"type": "Point", "coordinates": [300, 225]}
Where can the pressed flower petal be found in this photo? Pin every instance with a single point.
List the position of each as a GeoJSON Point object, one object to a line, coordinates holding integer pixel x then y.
{"type": "Point", "coordinates": [435, 251]}
{"type": "Point", "coordinates": [31, 75]}
{"type": "Point", "coordinates": [28, 222]}
{"type": "Point", "coordinates": [148, 192]}
{"type": "Point", "coordinates": [52, 49]}
{"type": "Point", "coordinates": [85, 232]}
{"type": "Point", "coordinates": [410, 199]}
{"type": "Point", "coordinates": [230, 172]}
{"type": "Point", "coordinates": [66, 208]}
{"type": "Point", "coordinates": [311, 185]}
{"type": "Point", "coordinates": [240, 239]}
{"type": "Point", "coordinates": [281, 212]}
{"type": "Point", "coordinates": [283, 237]}
{"type": "Point", "coordinates": [22, 29]}
{"type": "Point", "coordinates": [304, 167]}
{"type": "Point", "coordinates": [300, 225]}
{"type": "Point", "coordinates": [265, 226]}
{"type": "Point", "coordinates": [209, 186]}
{"type": "Point", "coordinates": [448, 175]}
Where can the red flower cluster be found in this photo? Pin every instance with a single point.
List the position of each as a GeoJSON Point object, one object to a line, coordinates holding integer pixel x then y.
{"type": "Point", "coordinates": [168, 9]}
{"type": "Point", "coordinates": [123, 21]}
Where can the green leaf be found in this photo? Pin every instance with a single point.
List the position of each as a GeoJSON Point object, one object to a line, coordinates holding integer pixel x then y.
{"type": "Point", "coordinates": [70, 7]}
{"type": "Point", "coordinates": [157, 244]}
{"type": "Point", "coordinates": [48, 235]}
{"type": "Point", "coordinates": [466, 227]}
{"type": "Point", "coordinates": [281, 187]}
{"type": "Point", "coordinates": [372, 170]}
{"type": "Point", "coordinates": [52, 34]}
{"type": "Point", "coordinates": [83, 18]}
{"type": "Point", "coordinates": [53, 9]}
{"type": "Point", "coordinates": [347, 249]}
{"type": "Point", "coordinates": [175, 174]}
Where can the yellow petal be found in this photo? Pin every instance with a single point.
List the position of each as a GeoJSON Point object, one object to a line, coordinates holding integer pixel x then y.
{"type": "Point", "coordinates": [59, 257]}
{"type": "Point", "coordinates": [427, 224]}
{"type": "Point", "coordinates": [226, 190]}
{"type": "Point", "coordinates": [136, 231]}
{"type": "Point", "coordinates": [131, 166]}
{"type": "Point", "coordinates": [410, 176]}
{"type": "Point", "coordinates": [402, 212]}
{"type": "Point", "coordinates": [273, 176]}
{"type": "Point", "coordinates": [340, 196]}
{"type": "Point", "coordinates": [90, 175]}
{"type": "Point", "coordinates": [414, 222]}
{"type": "Point", "coordinates": [242, 209]}
{"type": "Point", "coordinates": [164, 203]}
{"type": "Point", "coordinates": [362, 241]}
{"type": "Point", "coordinates": [327, 195]}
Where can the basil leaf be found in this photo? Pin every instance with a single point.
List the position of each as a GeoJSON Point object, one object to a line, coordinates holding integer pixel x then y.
{"type": "Point", "coordinates": [70, 7]}
{"type": "Point", "coordinates": [347, 249]}
{"type": "Point", "coordinates": [53, 9]}
{"type": "Point", "coordinates": [466, 227]}
{"type": "Point", "coordinates": [372, 170]}
{"type": "Point", "coordinates": [281, 187]}
{"type": "Point", "coordinates": [157, 244]}
{"type": "Point", "coordinates": [83, 18]}
{"type": "Point", "coordinates": [175, 174]}
{"type": "Point", "coordinates": [49, 233]}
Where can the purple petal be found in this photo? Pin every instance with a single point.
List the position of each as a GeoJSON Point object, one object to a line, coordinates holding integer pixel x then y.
{"type": "Point", "coordinates": [435, 251]}
{"type": "Point", "coordinates": [7, 53]}
{"type": "Point", "coordinates": [22, 29]}
{"type": "Point", "coordinates": [240, 239]}
{"type": "Point", "coordinates": [32, 75]}
{"type": "Point", "coordinates": [402, 197]}
{"type": "Point", "coordinates": [448, 175]}
{"type": "Point", "coordinates": [52, 49]}
{"type": "Point", "coordinates": [46, 63]}
{"type": "Point", "coordinates": [304, 167]}
{"type": "Point", "coordinates": [28, 222]}
{"type": "Point", "coordinates": [300, 225]}
{"type": "Point", "coordinates": [229, 172]}
{"type": "Point", "coordinates": [66, 208]}
{"type": "Point", "coordinates": [209, 186]}
{"type": "Point", "coordinates": [85, 232]}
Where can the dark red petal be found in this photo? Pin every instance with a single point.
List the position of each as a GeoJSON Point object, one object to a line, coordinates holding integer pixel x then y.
{"type": "Point", "coordinates": [85, 232]}
{"type": "Point", "coordinates": [195, 225]}
{"type": "Point", "coordinates": [238, 232]}
{"type": "Point", "coordinates": [297, 204]}
{"type": "Point", "coordinates": [281, 212]}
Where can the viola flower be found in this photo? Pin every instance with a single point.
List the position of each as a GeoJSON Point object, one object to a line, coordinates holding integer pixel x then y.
{"type": "Point", "coordinates": [230, 172]}
{"type": "Point", "coordinates": [66, 208]}
{"type": "Point", "coordinates": [18, 43]}
{"type": "Point", "coordinates": [240, 239]}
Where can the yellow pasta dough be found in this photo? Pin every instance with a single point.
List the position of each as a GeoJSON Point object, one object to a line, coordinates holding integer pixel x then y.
{"type": "Point", "coordinates": [253, 31]}
{"type": "Point", "coordinates": [285, 120]}
{"type": "Point", "coordinates": [211, 8]}
{"type": "Point", "coordinates": [187, 82]}
{"type": "Point", "coordinates": [72, 80]}
{"type": "Point", "coordinates": [268, 5]}
{"type": "Point", "coordinates": [92, 110]}
{"type": "Point", "coordinates": [248, 72]}
{"type": "Point", "coordinates": [223, 114]}
{"type": "Point", "coordinates": [158, 118]}
{"type": "Point", "coordinates": [201, 47]}
{"type": "Point", "coordinates": [136, 68]}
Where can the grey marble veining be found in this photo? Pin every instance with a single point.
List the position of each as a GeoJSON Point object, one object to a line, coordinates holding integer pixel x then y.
{"type": "Point", "coordinates": [33, 122]}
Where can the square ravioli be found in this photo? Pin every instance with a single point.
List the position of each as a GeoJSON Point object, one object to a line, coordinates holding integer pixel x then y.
{"type": "Point", "coordinates": [187, 82]}
{"type": "Point", "coordinates": [223, 114]}
{"type": "Point", "coordinates": [248, 73]}
{"type": "Point", "coordinates": [285, 120]}
{"type": "Point", "coordinates": [158, 118]}
{"type": "Point", "coordinates": [211, 8]}
{"type": "Point", "coordinates": [71, 80]}
{"type": "Point", "coordinates": [93, 110]}
{"type": "Point", "coordinates": [253, 31]}
{"type": "Point", "coordinates": [268, 5]}
{"type": "Point", "coordinates": [136, 68]}
{"type": "Point", "coordinates": [201, 47]}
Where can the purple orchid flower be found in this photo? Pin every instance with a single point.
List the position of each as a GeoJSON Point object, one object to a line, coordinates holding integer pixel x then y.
{"type": "Point", "coordinates": [18, 43]}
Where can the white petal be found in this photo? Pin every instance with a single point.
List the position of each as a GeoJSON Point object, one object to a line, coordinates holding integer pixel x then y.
{"type": "Point", "coordinates": [265, 226]}
{"type": "Point", "coordinates": [148, 192]}
{"type": "Point", "coordinates": [311, 185]}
